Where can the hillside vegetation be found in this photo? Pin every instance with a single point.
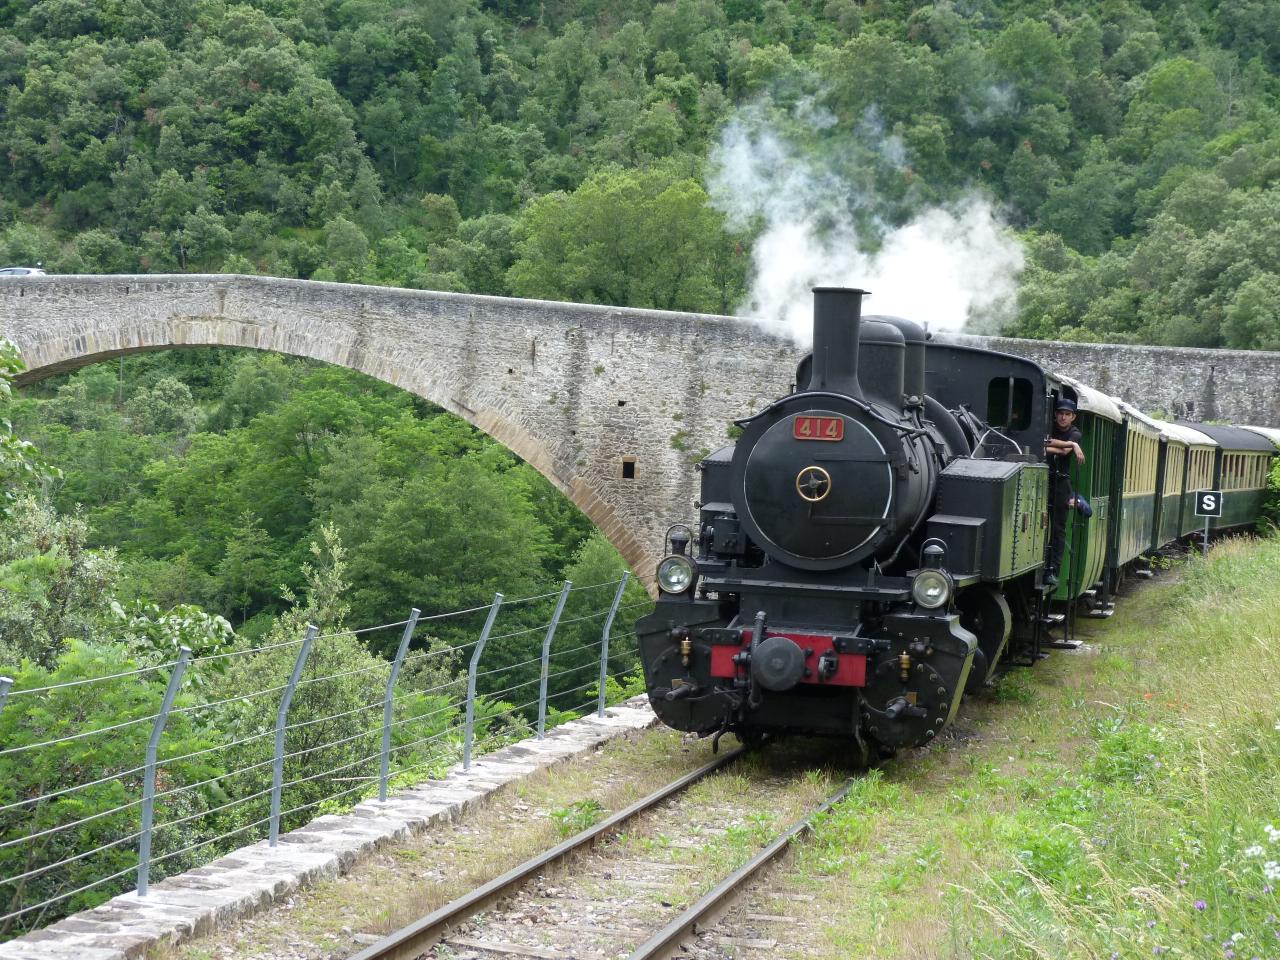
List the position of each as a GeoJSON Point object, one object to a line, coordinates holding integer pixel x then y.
{"type": "Point", "coordinates": [560, 148]}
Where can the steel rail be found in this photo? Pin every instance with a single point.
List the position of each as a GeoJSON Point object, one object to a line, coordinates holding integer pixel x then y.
{"type": "Point", "coordinates": [414, 940]}
{"type": "Point", "coordinates": [666, 943]}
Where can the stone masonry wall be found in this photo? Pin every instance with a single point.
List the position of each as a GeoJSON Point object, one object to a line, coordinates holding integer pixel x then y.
{"type": "Point", "coordinates": [1239, 386]}
{"type": "Point", "coordinates": [614, 406]}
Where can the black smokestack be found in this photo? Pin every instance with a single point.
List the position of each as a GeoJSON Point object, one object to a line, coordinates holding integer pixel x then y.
{"type": "Point", "coordinates": [837, 314]}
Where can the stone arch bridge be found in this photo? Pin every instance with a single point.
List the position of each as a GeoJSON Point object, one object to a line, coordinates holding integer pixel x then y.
{"type": "Point", "coordinates": [614, 406]}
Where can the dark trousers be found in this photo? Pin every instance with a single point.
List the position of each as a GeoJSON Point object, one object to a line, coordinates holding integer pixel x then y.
{"type": "Point", "coordinates": [1059, 509]}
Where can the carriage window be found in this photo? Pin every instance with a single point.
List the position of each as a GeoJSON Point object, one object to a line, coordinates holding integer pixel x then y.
{"type": "Point", "coordinates": [1009, 403]}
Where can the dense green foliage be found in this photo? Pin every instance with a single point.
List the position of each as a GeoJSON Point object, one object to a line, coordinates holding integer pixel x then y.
{"type": "Point", "coordinates": [545, 149]}
{"type": "Point", "coordinates": [231, 480]}
{"type": "Point", "coordinates": [212, 492]}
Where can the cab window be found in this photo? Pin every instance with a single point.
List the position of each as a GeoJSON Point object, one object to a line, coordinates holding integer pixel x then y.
{"type": "Point", "coordinates": [1009, 402]}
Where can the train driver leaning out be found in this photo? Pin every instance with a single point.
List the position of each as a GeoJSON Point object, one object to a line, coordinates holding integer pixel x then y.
{"type": "Point", "coordinates": [1062, 445]}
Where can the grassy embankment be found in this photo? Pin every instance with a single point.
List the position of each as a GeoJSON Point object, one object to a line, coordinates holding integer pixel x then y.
{"type": "Point", "coordinates": [1115, 803]}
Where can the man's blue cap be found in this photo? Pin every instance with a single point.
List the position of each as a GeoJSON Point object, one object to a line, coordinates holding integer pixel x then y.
{"type": "Point", "coordinates": [1065, 404]}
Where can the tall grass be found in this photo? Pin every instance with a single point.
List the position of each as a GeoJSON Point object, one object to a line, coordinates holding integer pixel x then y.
{"type": "Point", "coordinates": [1167, 840]}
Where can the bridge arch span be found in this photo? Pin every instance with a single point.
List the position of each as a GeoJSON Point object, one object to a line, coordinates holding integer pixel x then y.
{"type": "Point", "coordinates": [598, 400]}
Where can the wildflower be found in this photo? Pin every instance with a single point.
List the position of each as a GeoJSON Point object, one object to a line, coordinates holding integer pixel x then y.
{"type": "Point", "coordinates": [1229, 954]}
{"type": "Point", "coordinates": [1271, 870]}
{"type": "Point", "coordinates": [1254, 851]}
{"type": "Point", "coordinates": [1272, 833]}
{"type": "Point", "coordinates": [1200, 905]}
{"type": "Point", "coordinates": [1237, 937]}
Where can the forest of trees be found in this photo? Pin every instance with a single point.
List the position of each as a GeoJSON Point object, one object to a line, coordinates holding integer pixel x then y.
{"type": "Point", "coordinates": [210, 472]}
{"type": "Point", "coordinates": [559, 148]}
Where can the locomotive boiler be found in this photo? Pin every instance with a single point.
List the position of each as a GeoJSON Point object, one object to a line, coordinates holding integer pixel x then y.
{"type": "Point", "coordinates": [848, 569]}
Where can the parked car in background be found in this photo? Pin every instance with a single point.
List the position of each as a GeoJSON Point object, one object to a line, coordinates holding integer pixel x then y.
{"type": "Point", "coordinates": [21, 272]}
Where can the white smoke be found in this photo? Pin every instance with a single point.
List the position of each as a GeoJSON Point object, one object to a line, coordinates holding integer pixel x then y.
{"type": "Point", "coordinates": [949, 267]}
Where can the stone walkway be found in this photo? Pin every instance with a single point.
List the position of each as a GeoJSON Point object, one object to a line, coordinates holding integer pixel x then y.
{"type": "Point", "coordinates": [255, 877]}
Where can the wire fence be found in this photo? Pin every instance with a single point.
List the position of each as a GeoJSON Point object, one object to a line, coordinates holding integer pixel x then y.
{"type": "Point", "coordinates": [115, 774]}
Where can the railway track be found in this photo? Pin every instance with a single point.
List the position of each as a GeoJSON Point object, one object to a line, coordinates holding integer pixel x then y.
{"type": "Point", "coordinates": [621, 899]}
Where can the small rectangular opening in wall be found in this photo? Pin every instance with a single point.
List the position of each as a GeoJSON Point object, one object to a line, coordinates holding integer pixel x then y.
{"type": "Point", "coordinates": [628, 468]}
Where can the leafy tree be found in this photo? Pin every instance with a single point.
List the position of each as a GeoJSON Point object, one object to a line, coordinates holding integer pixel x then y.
{"type": "Point", "coordinates": [1034, 60]}
{"type": "Point", "coordinates": [247, 573]}
{"type": "Point", "coordinates": [630, 239]}
{"type": "Point", "coordinates": [347, 249]}
{"type": "Point", "coordinates": [1084, 211]}
{"type": "Point", "coordinates": [53, 588]}
{"type": "Point", "coordinates": [21, 465]}
{"type": "Point", "coordinates": [167, 407]}
{"type": "Point", "coordinates": [106, 808]}
{"type": "Point", "coordinates": [1252, 318]}
{"type": "Point", "coordinates": [155, 637]}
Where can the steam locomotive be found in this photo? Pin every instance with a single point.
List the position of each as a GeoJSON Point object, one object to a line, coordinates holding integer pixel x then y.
{"type": "Point", "coordinates": [872, 547]}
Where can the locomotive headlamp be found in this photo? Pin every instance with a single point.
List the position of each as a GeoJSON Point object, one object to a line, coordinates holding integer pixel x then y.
{"type": "Point", "coordinates": [931, 589]}
{"type": "Point", "coordinates": [675, 574]}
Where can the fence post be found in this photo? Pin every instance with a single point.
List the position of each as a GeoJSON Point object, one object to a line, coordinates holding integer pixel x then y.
{"type": "Point", "coordinates": [277, 766]}
{"type": "Point", "coordinates": [604, 640]}
{"type": "Point", "coordinates": [469, 730]}
{"type": "Point", "coordinates": [149, 777]}
{"type": "Point", "coordinates": [386, 704]}
{"type": "Point", "coordinates": [5, 684]}
{"type": "Point", "coordinates": [546, 658]}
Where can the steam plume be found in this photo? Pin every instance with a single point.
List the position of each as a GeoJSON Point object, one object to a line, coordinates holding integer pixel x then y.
{"type": "Point", "coordinates": [948, 266]}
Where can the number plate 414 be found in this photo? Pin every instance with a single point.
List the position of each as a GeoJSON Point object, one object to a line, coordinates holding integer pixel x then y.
{"type": "Point", "coordinates": [819, 428]}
